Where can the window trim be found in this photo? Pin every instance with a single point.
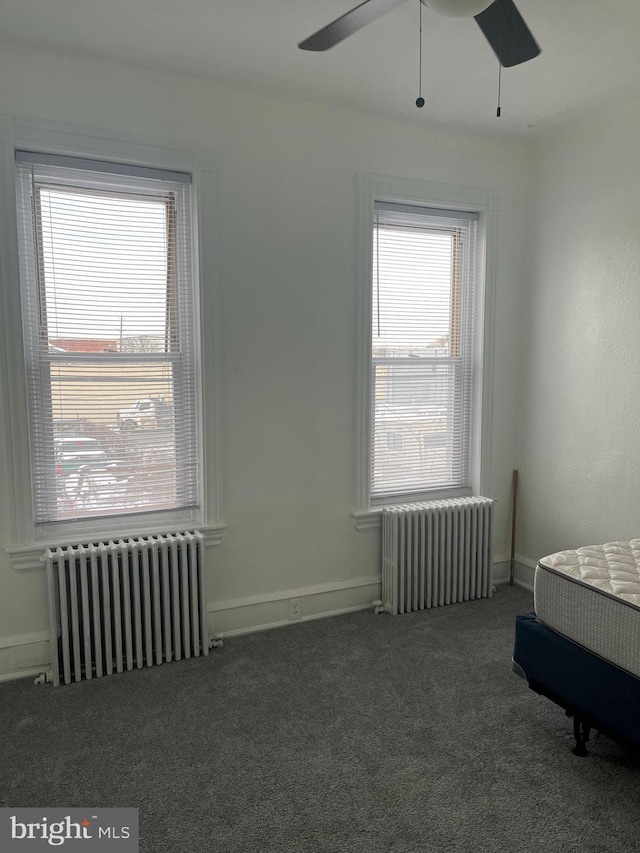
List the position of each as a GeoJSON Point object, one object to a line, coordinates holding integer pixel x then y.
{"type": "Point", "coordinates": [53, 138]}
{"type": "Point", "coordinates": [39, 175]}
{"type": "Point", "coordinates": [486, 202]}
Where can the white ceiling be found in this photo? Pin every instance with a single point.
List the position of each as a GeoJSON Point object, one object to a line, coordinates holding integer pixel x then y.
{"type": "Point", "coordinates": [589, 53]}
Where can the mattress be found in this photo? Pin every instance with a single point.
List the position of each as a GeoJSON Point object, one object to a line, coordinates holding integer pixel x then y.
{"type": "Point", "coordinates": [592, 596]}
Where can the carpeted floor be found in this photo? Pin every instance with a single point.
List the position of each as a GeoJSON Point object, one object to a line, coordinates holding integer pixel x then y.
{"type": "Point", "coordinates": [359, 733]}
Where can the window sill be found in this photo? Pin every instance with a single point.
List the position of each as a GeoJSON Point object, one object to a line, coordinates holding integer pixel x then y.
{"type": "Point", "coordinates": [370, 519]}
{"type": "Point", "coordinates": [25, 558]}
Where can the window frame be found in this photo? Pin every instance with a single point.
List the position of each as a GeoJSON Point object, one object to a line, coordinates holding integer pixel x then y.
{"type": "Point", "coordinates": [374, 189]}
{"type": "Point", "coordinates": [51, 138]}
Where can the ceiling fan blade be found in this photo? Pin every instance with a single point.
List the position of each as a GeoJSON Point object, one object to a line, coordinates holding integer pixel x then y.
{"type": "Point", "coordinates": [348, 23]}
{"type": "Point", "coordinates": [509, 36]}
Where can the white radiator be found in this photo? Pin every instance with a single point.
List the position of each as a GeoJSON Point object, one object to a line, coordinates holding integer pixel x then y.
{"type": "Point", "coordinates": [436, 553]}
{"type": "Point", "coordinates": [125, 604]}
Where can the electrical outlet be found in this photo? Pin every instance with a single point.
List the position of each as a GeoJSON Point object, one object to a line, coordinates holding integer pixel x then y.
{"type": "Point", "coordinates": [294, 608]}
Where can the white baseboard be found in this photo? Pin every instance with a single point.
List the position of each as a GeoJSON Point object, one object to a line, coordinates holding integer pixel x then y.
{"type": "Point", "coordinates": [524, 570]}
{"type": "Point", "coordinates": [261, 612]}
{"type": "Point", "coordinates": [30, 672]}
{"type": "Point", "coordinates": [500, 571]}
{"type": "Point", "coordinates": [24, 655]}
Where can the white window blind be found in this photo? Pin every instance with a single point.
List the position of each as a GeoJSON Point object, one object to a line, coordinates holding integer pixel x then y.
{"type": "Point", "coordinates": [110, 337]}
{"type": "Point", "coordinates": [422, 348]}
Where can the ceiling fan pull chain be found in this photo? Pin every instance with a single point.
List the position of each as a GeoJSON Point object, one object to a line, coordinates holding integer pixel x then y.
{"type": "Point", "coordinates": [420, 99]}
{"type": "Point", "coordinates": [499, 109]}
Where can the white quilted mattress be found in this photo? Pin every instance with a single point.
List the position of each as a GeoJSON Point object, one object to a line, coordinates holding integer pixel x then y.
{"type": "Point", "coordinates": [592, 596]}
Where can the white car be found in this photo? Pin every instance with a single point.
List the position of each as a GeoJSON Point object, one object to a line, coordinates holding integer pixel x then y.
{"type": "Point", "coordinates": [151, 412]}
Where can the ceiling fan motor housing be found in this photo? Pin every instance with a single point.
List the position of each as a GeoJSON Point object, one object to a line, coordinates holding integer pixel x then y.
{"type": "Point", "coordinates": [458, 8]}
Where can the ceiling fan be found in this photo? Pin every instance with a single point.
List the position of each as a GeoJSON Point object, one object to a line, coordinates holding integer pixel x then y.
{"type": "Point", "coordinates": [501, 23]}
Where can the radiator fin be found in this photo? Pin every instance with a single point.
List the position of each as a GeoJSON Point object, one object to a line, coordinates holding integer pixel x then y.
{"type": "Point", "coordinates": [436, 553]}
{"type": "Point", "coordinates": [120, 604]}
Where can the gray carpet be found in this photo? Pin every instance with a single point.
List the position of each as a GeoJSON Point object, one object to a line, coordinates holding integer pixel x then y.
{"type": "Point", "coordinates": [357, 733]}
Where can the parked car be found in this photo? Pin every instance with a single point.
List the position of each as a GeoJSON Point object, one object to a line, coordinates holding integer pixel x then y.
{"type": "Point", "coordinates": [72, 452]}
{"type": "Point", "coordinates": [150, 412]}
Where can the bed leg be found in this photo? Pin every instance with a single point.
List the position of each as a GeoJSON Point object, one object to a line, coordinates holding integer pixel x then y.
{"type": "Point", "coordinates": [581, 731]}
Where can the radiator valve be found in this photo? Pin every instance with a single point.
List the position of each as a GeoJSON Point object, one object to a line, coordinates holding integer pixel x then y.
{"type": "Point", "coordinates": [216, 641]}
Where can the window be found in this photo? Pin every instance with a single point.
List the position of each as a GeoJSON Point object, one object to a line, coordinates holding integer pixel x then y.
{"type": "Point", "coordinates": [394, 441]}
{"type": "Point", "coordinates": [423, 374]}
{"type": "Point", "coordinates": [108, 305]}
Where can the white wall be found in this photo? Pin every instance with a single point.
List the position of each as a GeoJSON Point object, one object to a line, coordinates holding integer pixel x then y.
{"type": "Point", "coordinates": [579, 433]}
{"type": "Point", "coordinates": [288, 280]}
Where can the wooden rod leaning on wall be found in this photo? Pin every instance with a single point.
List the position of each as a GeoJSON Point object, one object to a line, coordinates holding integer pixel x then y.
{"type": "Point", "coordinates": [514, 509]}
